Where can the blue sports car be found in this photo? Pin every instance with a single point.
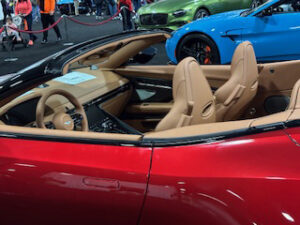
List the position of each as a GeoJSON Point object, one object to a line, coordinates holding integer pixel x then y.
{"type": "Point", "coordinates": [273, 28]}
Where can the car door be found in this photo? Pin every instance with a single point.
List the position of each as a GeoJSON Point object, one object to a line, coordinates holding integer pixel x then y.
{"type": "Point", "coordinates": [225, 181]}
{"type": "Point", "coordinates": [46, 178]}
{"type": "Point", "coordinates": [275, 37]}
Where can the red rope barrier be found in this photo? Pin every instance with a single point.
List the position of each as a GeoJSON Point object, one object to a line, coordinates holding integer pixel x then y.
{"type": "Point", "coordinates": [94, 24]}
{"type": "Point", "coordinates": [38, 31]}
{"type": "Point", "coordinates": [58, 21]}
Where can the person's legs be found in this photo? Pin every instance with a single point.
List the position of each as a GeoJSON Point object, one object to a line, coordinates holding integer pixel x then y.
{"type": "Point", "coordinates": [76, 6]}
{"type": "Point", "coordinates": [28, 18]}
{"type": "Point", "coordinates": [135, 3]}
{"type": "Point", "coordinates": [56, 29]}
{"type": "Point", "coordinates": [45, 23]}
{"type": "Point", "coordinates": [124, 17]}
{"type": "Point", "coordinates": [128, 17]}
{"type": "Point", "coordinates": [89, 5]}
{"type": "Point", "coordinates": [98, 9]}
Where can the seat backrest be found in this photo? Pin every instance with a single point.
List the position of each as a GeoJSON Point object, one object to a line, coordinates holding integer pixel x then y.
{"type": "Point", "coordinates": [233, 97]}
{"type": "Point", "coordinates": [193, 98]}
{"type": "Point", "coordinates": [295, 97]}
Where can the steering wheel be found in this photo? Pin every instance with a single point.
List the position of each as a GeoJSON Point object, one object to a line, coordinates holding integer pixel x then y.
{"type": "Point", "coordinates": [61, 120]}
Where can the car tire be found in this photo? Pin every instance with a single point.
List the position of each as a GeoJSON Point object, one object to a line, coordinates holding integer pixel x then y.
{"type": "Point", "coordinates": [201, 13]}
{"type": "Point", "coordinates": [256, 3]}
{"type": "Point", "coordinates": [199, 46]}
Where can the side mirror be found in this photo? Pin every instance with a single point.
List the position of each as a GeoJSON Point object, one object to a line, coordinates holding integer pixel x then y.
{"type": "Point", "coordinates": [145, 56]}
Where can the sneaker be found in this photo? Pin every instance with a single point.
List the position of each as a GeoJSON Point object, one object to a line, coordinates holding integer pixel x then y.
{"type": "Point", "coordinates": [93, 13]}
{"type": "Point", "coordinates": [30, 43]}
{"type": "Point", "coordinates": [88, 14]}
{"type": "Point", "coordinates": [44, 41]}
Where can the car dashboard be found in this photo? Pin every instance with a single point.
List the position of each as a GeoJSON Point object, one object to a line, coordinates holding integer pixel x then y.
{"type": "Point", "coordinates": [93, 88]}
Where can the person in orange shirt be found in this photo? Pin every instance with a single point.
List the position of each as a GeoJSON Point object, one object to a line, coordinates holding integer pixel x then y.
{"type": "Point", "coordinates": [47, 8]}
{"type": "Point", "coordinates": [24, 8]}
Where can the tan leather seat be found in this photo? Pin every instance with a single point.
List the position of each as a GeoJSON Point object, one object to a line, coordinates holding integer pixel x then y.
{"type": "Point", "coordinates": [233, 97]}
{"type": "Point", "coordinates": [295, 97]}
{"type": "Point", "coordinates": [193, 98]}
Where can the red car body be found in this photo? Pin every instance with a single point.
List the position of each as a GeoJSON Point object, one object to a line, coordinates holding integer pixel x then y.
{"type": "Point", "coordinates": [252, 179]}
{"type": "Point", "coordinates": [221, 174]}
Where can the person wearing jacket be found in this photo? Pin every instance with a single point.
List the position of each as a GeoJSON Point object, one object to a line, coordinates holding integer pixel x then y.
{"type": "Point", "coordinates": [126, 8]}
{"type": "Point", "coordinates": [47, 9]}
{"type": "Point", "coordinates": [24, 8]}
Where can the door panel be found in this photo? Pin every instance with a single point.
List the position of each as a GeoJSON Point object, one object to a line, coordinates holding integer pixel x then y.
{"type": "Point", "coordinates": [274, 37]}
{"type": "Point", "coordinates": [225, 182]}
{"type": "Point", "coordinates": [151, 100]}
{"type": "Point", "coordinates": [44, 182]}
{"type": "Point", "coordinates": [275, 80]}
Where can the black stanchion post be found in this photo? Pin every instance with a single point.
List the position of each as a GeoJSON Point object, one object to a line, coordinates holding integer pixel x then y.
{"type": "Point", "coordinates": [67, 43]}
{"type": "Point", "coordinates": [8, 47]}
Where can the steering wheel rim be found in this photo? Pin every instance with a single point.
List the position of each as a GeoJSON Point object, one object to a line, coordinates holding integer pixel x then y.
{"type": "Point", "coordinates": [40, 109]}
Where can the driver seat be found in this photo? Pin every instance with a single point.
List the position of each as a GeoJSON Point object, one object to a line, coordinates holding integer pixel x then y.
{"type": "Point", "coordinates": [234, 96]}
{"type": "Point", "coordinates": [193, 98]}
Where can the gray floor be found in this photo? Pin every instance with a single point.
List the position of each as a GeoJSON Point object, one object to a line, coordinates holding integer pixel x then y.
{"type": "Point", "coordinates": [77, 33]}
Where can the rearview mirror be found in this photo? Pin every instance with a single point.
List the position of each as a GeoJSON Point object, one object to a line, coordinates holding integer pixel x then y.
{"type": "Point", "coordinates": [145, 56]}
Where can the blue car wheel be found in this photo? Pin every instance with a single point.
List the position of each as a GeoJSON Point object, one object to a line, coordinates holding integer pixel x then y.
{"type": "Point", "coordinates": [199, 46]}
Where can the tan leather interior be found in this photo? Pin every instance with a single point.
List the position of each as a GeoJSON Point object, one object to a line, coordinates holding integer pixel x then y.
{"type": "Point", "coordinates": [193, 99]}
{"type": "Point", "coordinates": [104, 82]}
{"type": "Point", "coordinates": [292, 113]}
{"type": "Point", "coordinates": [116, 105]}
{"type": "Point", "coordinates": [156, 72]}
{"type": "Point", "coordinates": [61, 120]}
{"type": "Point", "coordinates": [275, 79]}
{"type": "Point", "coordinates": [64, 133]}
{"type": "Point", "coordinates": [150, 108]}
{"type": "Point", "coordinates": [193, 110]}
{"type": "Point", "coordinates": [132, 46]}
{"type": "Point", "coordinates": [234, 96]}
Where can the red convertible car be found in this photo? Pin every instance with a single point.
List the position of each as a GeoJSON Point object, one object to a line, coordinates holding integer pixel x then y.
{"type": "Point", "coordinates": [92, 136]}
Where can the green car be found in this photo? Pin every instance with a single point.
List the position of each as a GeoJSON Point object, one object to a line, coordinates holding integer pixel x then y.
{"type": "Point", "coordinates": [171, 14]}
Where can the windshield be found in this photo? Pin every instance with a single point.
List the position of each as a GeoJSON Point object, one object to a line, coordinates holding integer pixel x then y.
{"type": "Point", "coordinates": [249, 11]}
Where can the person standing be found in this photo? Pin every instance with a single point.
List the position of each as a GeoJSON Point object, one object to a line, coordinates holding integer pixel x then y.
{"type": "Point", "coordinates": [112, 7]}
{"type": "Point", "coordinates": [137, 5]}
{"type": "Point", "coordinates": [24, 9]}
{"type": "Point", "coordinates": [47, 8]}
{"type": "Point", "coordinates": [35, 11]}
{"type": "Point", "coordinates": [4, 10]}
{"type": "Point", "coordinates": [76, 7]}
{"type": "Point", "coordinates": [126, 8]}
{"type": "Point", "coordinates": [90, 7]}
{"type": "Point", "coordinates": [98, 4]}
